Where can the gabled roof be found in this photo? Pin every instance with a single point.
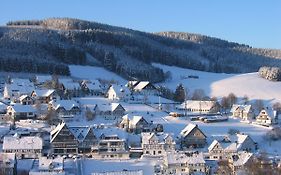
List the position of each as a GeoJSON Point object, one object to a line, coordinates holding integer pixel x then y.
{"type": "Point", "coordinates": [22, 97]}
{"type": "Point", "coordinates": [22, 108]}
{"type": "Point", "coordinates": [57, 130]}
{"type": "Point", "coordinates": [109, 107]}
{"type": "Point", "coordinates": [80, 132]}
{"type": "Point", "coordinates": [188, 129]}
{"type": "Point", "coordinates": [243, 158]}
{"type": "Point", "coordinates": [161, 137]}
{"type": "Point", "coordinates": [43, 78]}
{"type": "Point", "coordinates": [269, 111]}
{"type": "Point", "coordinates": [92, 84]}
{"type": "Point", "coordinates": [66, 104]}
{"type": "Point", "coordinates": [141, 85]}
{"type": "Point", "coordinates": [69, 84]}
{"type": "Point", "coordinates": [245, 108]}
{"type": "Point", "coordinates": [111, 132]}
{"type": "Point", "coordinates": [213, 144]}
{"type": "Point", "coordinates": [43, 92]}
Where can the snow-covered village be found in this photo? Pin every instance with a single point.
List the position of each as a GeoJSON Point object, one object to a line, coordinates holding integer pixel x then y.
{"type": "Point", "coordinates": [95, 122]}
{"type": "Point", "coordinates": [140, 87]}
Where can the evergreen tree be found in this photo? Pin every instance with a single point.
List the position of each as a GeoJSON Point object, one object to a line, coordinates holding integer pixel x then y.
{"type": "Point", "coordinates": [180, 93]}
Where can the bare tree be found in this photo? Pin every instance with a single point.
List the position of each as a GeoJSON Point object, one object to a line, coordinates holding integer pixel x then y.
{"type": "Point", "coordinates": [89, 114]}
{"type": "Point", "coordinates": [198, 94]}
{"type": "Point", "coordinates": [258, 105]}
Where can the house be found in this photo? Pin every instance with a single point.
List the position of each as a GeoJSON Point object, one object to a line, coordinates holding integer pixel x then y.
{"type": "Point", "coordinates": [26, 100]}
{"type": "Point", "coordinates": [180, 163]}
{"type": "Point", "coordinates": [63, 141]}
{"type": "Point", "coordinates": [23, 147]}
{"type": "Point", "coordinates": [239, 161]}
{"type": "Point", "coordinates": [8, 164]}
{"type": "Point", "coordinates": [48, 166]}
{"type": "Point", "coordinates": [112, 109]}
{"type": "Point", "coordinates": [3, 111]}
{"type": "Point", "coordinates": [65, 108]}
{"type": "Point", "coordinates": [145, 88]}
{"type": "Point", "coordinates": [85, 136]}
{"type": "Point", "coordinates": [17, 87]}
{"type": "Point", "coordinates": [192, 136]}
{"type": "Point", "coordinates": [18, 111]}
{"type": "Point", "coordinates": [245, 112]}
{"type": "Point", "coordinates": [136, 124]}
{"type": "Point", "coordinates": [132, 84]}
{"type": "Point", "coordinates": [199, 107]}
{"type": "Point", "coordinates": [44, 95]}
{"type": "Point", "coordinates": [112, 144]}
{"type": "Point", "coordinates": [118, 93]}
{"type": "Point", "coordinates": [70, 88]}
{"type": "Point", "coordinates": [157, 144]}
{"type": "Point", "coordinates": [267, 117]}
{"type": "Point", "coordinates": [42, 79]}
{"type": "Point", "coordinates": [92, 87]}
{"type": "Point", "coordinates": [225, 147]}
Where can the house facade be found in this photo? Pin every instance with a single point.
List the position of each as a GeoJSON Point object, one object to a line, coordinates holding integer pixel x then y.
{"type": "Point", "coordinates": [18, 111]}
{"type": "Point", "coordinates": [44, 95]}
{"type": "Point", "coordinates": [135, 124]}
{"type": "Point", "coordinates": [192, 137]}
{"type": "Point", "coordinates": [157, 144]}
{"type": "Point", "coordinates": [26, 100]}
{"type": "Point", "coordinates": [92, 87]}
{"type": "Point", "coordinates": [267, 117]}
{"type": "Point", "coordinates": [65, 108]}
{"type": "Point", "coordinates": [180, 163]}
{"type": "Point", "coordinates": [245, 112]}
{"type": "Point", "coordinates": [23, 147]}
{"type": "Point", "coordinates": [8, 164]}
{"type": "Point", "coordinates": [199, 107]}
{"type": "Point", "coordinates": [117, 93]}
{"type": "Point", "coordinates": [48, 166]}
{"type": "Point", "coordinates": [228, 146]}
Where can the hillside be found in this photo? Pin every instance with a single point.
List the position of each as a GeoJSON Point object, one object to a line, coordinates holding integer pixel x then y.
{"type": "Point", "coordinates": [220, 84]}
{"type": "Point", "coordinates": [50, 45]}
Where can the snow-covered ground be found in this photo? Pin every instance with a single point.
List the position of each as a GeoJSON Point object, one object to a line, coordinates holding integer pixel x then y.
{"type": "Point", "coordinates": [92, 72]}
{"type": "Point", "coordinates": [220, 84]}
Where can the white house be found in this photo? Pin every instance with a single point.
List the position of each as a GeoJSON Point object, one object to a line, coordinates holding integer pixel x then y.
{"type": "Point", "coordinates": [17, 88]}
{"type": "Point", "coordinates": [180, 163]}
{"type": "Point", "coordinates": [199, 107]}
{"type": "Point", "coordinates": [44, 95]}
{"type": "Point", "coordinates": [41, 79]}
{"type": "Point", "coordinates": [156, 145]}
{"type": "Point", "coordinates": [26, 100]}
{"type": "Point", "coordinates": [145, 88]}
{"type": "Point", "coordinates": [226, 146]}
{"type": "Point", "coordinates": [65, 108]}
{"type": "Point", "coordinates": [245, 112]}
{"type": "Point", "coordinates": [136, 124]}
{"type": "Point", "coordinates": [267, 117]}
{"type": "Point", "coordinates": [109, 110]}
{"type": "Point", "coordinates": [23, 147]}
{"type": "Point", "coordinates": [19, 111]}
{"type": "Point", "coordinates": [116, 92]}
{"type": "Point", "coordinates": [48, 166]}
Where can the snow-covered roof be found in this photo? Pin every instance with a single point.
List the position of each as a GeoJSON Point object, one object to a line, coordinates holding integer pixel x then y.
{"type": "Point", "coordinates": [187, 129]}
{"type": "Point", "coordinates": [196, 104]}
{"type": "Point", "coordinates": [111, 132]}
{"type": "Point", "coordinates": [244, 108]}
{"type": "Point", "coordinates": [119, 90]}
{"type": "Point", "coordinates": [93, 84]}
{"type": "Point", "coordinates": [243, 158]}
{"type": "Point", "coordinates": [22, 143]}
{"type": "Point", "coordinates": [43, 78]}
{"type": "Point", "coordinates": [141, 85]}
{"type": "Point", "coordinates": [66, 104]}
{"type": "Point", "coordinates": [3, 106]}
{"type": "Point", "coordinates": [161, 137]}
{"type": "Point", "coordinates": [70, 84]}
{"type": "Point", "coordinates": [22, 97]}
{"type": "Point", "coordinates": [80, 132]}
{"type": "Point", "coordinates": [269, 112]}
{"type": "Point", "coordinates": [179, 158]}
{"type": "Point", "coordinates": [229, 142]}
{"type": "Point", "coordinates": [50, 164]}
{"type": "Point", "coordinates": [131, 83]}
{"type": "Point", "coordinates": [8, 159]}
{"type": "Point", "coordinates": [22, 108]}
{"type": "Point", "coordinates": [109, 107]}
{"type": "Point", "coordinates": [43, 92]}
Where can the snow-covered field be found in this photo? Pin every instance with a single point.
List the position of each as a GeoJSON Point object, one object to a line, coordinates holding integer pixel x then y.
{"type": "Point", "coordinates": [220, 84]}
